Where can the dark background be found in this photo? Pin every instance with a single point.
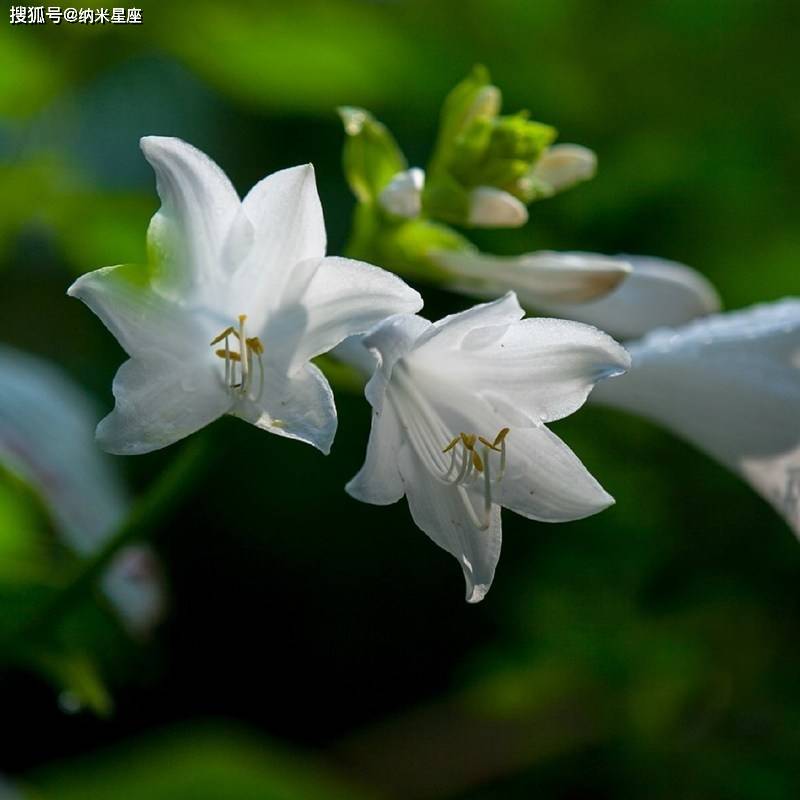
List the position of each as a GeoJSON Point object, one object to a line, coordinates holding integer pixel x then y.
{"type": "Point", "coordinates": [318, 647]}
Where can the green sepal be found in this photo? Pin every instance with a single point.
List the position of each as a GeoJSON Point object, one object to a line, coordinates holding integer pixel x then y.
{"type": "Point", "coordinates": [371, 156]}
{"type": "Point", "coordinates": [447, 199]}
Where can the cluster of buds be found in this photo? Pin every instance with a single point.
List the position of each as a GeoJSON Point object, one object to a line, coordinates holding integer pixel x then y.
{"type": "Point", "coordinates": [485, 168]}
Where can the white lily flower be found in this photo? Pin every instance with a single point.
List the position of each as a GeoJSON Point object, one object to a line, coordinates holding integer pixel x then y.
{"type": "Point", "coordinates": [237, 298]}
{"type": "Point", "coordinates": [46, 427]}
{"type": "Point", "coordinates": [730, 385]}
{"type": "Point", "coordinates": [562, 166]}
{"type": "Point", "coordinates": [624, 295]}
{"type": "Point", "coordinates": [459, 408]}
{"type": "Point", "coordinates": [402, 196]}
{"type": "Point", "coordinates": [494, 208]}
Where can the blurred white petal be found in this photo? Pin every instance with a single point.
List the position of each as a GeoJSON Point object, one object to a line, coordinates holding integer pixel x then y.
{"type": "Point", "coordinates": [657, 293]}
{"type": "Point", "coordinates": [730, 384]}
{"type": "Point", "coordinates": [47, 438]}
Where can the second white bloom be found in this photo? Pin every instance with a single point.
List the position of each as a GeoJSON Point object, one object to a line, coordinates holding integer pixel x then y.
{"type": "Point", "coordinates": [459, 408]}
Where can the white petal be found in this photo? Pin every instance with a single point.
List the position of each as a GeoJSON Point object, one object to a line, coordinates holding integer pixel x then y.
{"type": "Point", "coordinates": [388, 342]}
{"type": "Point", "coordinates": [46, 437]}
{"type": "Point", "coordinates": [538, 278]}
{"type": "Point", "coordinates": [438, 510]}
{"type": "Point", "coordinates": [495, 208]}
{"type": "Point", "coordinates": [160, 400]}
{"type": "Point", "coordinates": [286, 214]}
{"type": "Point", "coordinates": [542, 368]}
{"type": "Point", "coordinates": [731, 386]}
{"type": "Point", "coordinates": [346, 297]}
{"type": "Point", "coordinates": [656, 294]}
{"type": "Point", "coordinates": [187, 235]}
{"type": "Point", "coordinates": [546, 481]}
{"type": "Point", "coordinates": [353, 352]}
{"type": "Point", "coordinates": [140, 318]}
{"type": "Point", "coordinates": [402, 196]}
{"type": "Point", "coordinates": [298, 406]}
{"type": "Point", "coordinates": [450, 331]}
{"type": "Point", "coordinates": [378, 481]}
{"type": "Point", "coordinates": [564, 165]}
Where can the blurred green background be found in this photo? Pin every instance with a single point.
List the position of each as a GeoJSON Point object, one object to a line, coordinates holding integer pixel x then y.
{"type": "Point", "coordinates": [317, 647]}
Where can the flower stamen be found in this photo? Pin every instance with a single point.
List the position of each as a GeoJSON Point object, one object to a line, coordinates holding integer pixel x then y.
{"type": "Point", "coordinates": [240, 381]}
{"type": "Point", "coordinates": [467, 463]}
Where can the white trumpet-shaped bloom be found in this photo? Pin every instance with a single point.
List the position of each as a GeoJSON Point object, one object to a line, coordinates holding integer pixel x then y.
{"type": "Point", "coordinates": [236, 299]}
{"type": "Point", "coordinates": [459, 408]}
{"type": "Point", "coordinates": [729, 384]}
{"type": "Point", "coordinates": [624, 295]}
{"type": "Point", "coordinates": [46, 424]}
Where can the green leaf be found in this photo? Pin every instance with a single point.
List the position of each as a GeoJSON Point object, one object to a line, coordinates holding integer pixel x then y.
{"type": "Point", "coordinates": [371, 156]}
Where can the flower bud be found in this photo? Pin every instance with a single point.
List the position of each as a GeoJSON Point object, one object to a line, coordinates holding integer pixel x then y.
{"type": "Point", "coordinates": [495, 208]}
{"type": "Point", "coordinates": [562, 166]}
{"type": "Point", "coordinates": [402, 196]}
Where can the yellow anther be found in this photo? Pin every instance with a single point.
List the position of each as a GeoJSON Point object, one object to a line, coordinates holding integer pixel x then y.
{"type": "Point", "coordinates": [241, 363]}
{"type": "Point", "coordinates": [226, 332]}
{"type": "Point", "coordinates": [452, 444]}
{"type": "Point", "coordinates": [477, 460]}
{"type": "Point", "coordinates": [500, 438]}
{"type": "Point", "coordinates": [255, 345]}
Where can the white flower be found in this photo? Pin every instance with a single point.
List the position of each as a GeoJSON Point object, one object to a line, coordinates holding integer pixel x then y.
{"type": "Point", "coordinates": [237, 297]}
{"type": "Point", "coordinates": [495, 208]}
{"type": "Point", "coordinates": [459, 408]}
{"type": "Point", "coordinates": [730, 384]}
{"type": "Point", "coordinates": [46, 425]}
{"type": "Point", "coordinates": [624, 295]}
{"type": "Point", "coordinates": [562, 166]}
{"type": "Point", "coordinates": [402, 196]}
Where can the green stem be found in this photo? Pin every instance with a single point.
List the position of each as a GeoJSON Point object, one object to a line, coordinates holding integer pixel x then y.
{"type": "Point", "coordinates": [162, 497]}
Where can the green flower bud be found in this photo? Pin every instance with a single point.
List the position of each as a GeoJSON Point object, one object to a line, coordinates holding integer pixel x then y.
{"type": "Point", "coordinates": [479, 150]}
{"type": "Point", "coordinates": [472, 100]}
